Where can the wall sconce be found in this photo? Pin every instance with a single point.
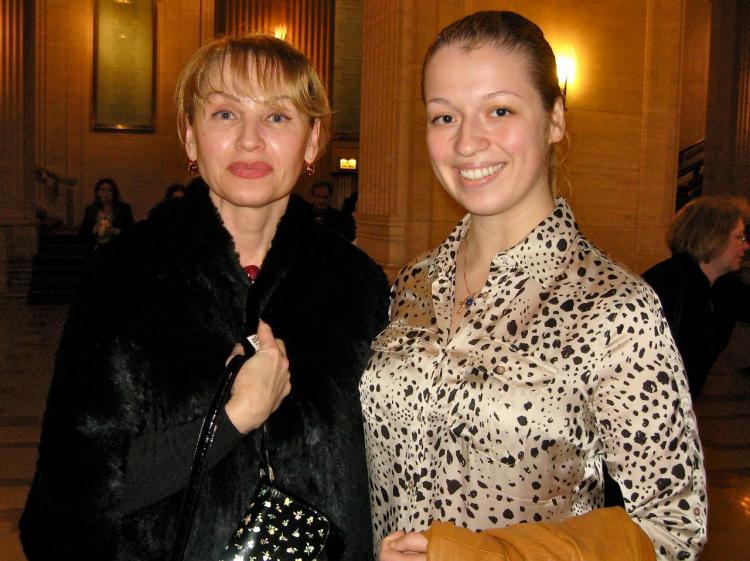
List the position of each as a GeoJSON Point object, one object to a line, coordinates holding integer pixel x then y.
{"type": "Point", "coordinates": [350, 163]}
{"type": "Point", "coordinates": [566, 69]}
{"type": "Point", "coordinates": [280, 32]}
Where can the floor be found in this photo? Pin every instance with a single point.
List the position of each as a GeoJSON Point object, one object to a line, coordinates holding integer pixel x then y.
{"type": "Point", "coordinates": [28, 339]}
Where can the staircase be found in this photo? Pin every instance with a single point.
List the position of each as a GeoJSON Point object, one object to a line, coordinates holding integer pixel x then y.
{"type": "Point", "coordinates": [57, 267]}
{"type": "Point", "coordinates": [690, 173]}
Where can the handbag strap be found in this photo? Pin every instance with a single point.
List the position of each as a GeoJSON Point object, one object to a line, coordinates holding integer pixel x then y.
{"type": "Point", "coordinates": [266, 473]}
{"type": "Point", "coordinates": [258, 297]}
{"type": "Point", "coordinates": [200, 458]}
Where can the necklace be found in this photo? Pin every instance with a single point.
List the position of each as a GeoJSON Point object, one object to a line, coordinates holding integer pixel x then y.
{"type": "Point", "coordinates": [467, 302]}
{"type": "Point", "coordinates": [252, 272]}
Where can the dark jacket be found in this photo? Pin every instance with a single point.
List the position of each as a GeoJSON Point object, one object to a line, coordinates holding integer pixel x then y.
{"type": "Point", "coordinates": [122, 218]}
{"type": "Point", "coordinates": [701, 316]}
{"type": "Point", "coordinates": [141, 352]}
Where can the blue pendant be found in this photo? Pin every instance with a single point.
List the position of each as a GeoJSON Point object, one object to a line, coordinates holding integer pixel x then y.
{"type": "Point", "coordinates": [469, 302]}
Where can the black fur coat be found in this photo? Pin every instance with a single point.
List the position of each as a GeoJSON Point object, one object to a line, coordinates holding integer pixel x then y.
{"type": "Point", "coordinates": [141, 351]}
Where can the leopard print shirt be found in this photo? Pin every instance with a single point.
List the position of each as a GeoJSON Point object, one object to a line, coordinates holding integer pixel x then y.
{"type": "Point", "coordinates": [564, 361]}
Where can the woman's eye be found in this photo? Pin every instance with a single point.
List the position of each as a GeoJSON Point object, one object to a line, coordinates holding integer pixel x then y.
{"type": "Point", "coordinates": [500, 112]}
{"type": "Point", "coordinates": [278, 118]}
{"type": "Point", "coordinates": [442, 120]}
{"type": "Point", "coordinates": [223, 114]}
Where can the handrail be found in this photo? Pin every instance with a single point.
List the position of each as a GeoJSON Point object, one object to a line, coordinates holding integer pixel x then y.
{"type": "Point", "coordinates": [50, 186]}
{"type": "Point", "coordinates": [690, 158]}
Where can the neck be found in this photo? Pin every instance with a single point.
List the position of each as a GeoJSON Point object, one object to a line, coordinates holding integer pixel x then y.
{"type": "Point", "coordinates": [711, 271]}
{"type": "Point", "coordinates": [252, 229]}
{"type": "Point", "coordinates": [492, 234]}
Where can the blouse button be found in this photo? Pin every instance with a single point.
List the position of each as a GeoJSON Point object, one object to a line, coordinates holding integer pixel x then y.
{"type": "Point", "coordinates": [410, 486]}
{"type": "Point", "coordinates": [697, 511]}
{"type": "Point", "coordinates": [499, 369]}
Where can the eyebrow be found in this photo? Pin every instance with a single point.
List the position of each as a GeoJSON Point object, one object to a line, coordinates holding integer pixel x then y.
{"type": "Point", "coordinates": [485, 97]}
{"type": "Point", "coordinates": [269, 101]}
{"type": "Point", "coordinates": [499, 93]}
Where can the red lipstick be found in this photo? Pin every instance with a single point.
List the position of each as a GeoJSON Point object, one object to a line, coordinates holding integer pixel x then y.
{"type": "Point", "coordinates": [250, 170]}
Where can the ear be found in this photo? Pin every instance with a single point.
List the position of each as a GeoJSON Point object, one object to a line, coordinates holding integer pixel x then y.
{"type": "Point", "coordinates": [190, 147]}
{"type": "Point", "coordinates": [557, 122]}
{"type": "Point", "coordinates": [311, 152]}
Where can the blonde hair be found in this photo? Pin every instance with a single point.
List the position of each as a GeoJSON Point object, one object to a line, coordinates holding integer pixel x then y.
{"type": "Point", "coordinates": [702, 227]}
{"type": "Point", "coordinates": [256, 61]}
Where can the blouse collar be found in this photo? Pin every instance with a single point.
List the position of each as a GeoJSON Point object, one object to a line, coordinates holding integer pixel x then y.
{"type": "Point", "coordinates": [542, 254]}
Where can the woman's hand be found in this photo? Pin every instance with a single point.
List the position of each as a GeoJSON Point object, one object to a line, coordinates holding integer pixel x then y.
{"type": "Point", "coordinates": [400, 546]}
{"type": "Point", "coordinates": [262, 383]}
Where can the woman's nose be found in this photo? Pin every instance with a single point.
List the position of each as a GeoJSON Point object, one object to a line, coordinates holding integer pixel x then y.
{"type": "Point", "coordinates": [249, 136]}
{"type": "Point", "coordinates": [471, 138]}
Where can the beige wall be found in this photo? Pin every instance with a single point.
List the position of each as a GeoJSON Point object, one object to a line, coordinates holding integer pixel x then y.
{"type": "Point", "coordinates": [623, 119]}
{"type": "Point", "coordinates": [143, 164]}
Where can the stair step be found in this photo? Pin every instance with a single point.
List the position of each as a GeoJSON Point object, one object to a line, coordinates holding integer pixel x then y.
{"type": "Point", "coordinates": [51, 297]}
{"type": "Point", "coordinates": [59, 261]}
{"type": "Point", "coordinates": [54, 283]}
{"type": "Point", "coordinates": [72, 250]}
{"type": "Point", "coordinates": [57, 268]}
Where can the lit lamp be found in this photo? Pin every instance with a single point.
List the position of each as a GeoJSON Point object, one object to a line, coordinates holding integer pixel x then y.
{"type": "Point", "coordinates": [280, 32]}
{"type": "Point", "coordinates": [348, 163]}
{"type": "Point", "coordinates": [566, 69]}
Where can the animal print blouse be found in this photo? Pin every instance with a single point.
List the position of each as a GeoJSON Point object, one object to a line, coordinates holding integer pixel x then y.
{"type": "Point", "coordinates": [564, 361]}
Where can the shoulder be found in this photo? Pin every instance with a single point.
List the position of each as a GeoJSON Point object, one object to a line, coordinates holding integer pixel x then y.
{"type": "Point", "coordinates": [675, 277]}
{"type": "Point", "coordinates": [321, 274]}
{"type": "Point", "coordinates": [331, 258]}
{"type": "Point", "coordinates": [347, 269]}
{"type": "Point", "coordinates": [179, 249]}
{"type": "Point", "coordinates": [611, 288]}
{"type": "Point", "coordinates": [416, 271]}
{"type": "Point", "coordinates": [664, 270]}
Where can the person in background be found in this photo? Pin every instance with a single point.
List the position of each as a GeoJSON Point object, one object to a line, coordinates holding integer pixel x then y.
{"type": "Point", "coordinates": [699, 287]}
{"type": "Point", "coordinates": [349, 210]}
{"type": "Point", "coordinates": [106, 217]}
{"type": "Point", "coordinates": [167, 303]}
{"type": "Point", "coordinates": [175, 191]}
{"type": "Point", "coordinates": [327, 216]}
{"type": "Point", "coordinates": [520, 358]}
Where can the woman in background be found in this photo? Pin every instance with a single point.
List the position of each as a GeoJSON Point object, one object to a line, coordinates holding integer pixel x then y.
{"type": "Point", "coordinates": [165, 305]}
{"type": "Point", "coordinates": [106, 217]}
{"type": "Point", "coordinates": [519, 358]}
{"type": "Point", "coordinates": [700, 291]}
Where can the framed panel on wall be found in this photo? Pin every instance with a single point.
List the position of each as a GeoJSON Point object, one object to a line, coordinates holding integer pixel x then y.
{"type": "Point", "coordinates": [124, 65]}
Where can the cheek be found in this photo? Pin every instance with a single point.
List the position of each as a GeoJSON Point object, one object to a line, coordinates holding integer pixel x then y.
{"type": "Point", "coordinates": [519, 141]}
{"type": "Point", "coordinates": [438, 146]}
{"type": "Point", "coordinates": [209, 145]}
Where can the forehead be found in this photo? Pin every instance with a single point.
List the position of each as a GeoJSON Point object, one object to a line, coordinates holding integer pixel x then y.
{"type": "Point", "coordinates": [242, 79]}
{"type": "Point", "coordinates": [488, 67]}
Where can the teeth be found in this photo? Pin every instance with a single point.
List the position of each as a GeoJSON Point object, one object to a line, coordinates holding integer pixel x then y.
{"type": "Point", "coordinates": [478, 173]}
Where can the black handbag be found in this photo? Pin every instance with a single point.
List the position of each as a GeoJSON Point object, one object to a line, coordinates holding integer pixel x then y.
{"type": "Point", "coordinates": [276, 526]}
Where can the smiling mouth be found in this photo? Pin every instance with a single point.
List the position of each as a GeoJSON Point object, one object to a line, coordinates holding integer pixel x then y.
{"type": "Point", "coordinates": [476, 174]}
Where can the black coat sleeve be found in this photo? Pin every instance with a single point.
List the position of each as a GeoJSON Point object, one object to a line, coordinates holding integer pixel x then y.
{"type": "Point", "coordinates": [151, 475]}
{"type": "Point", "coordinates": [86, 230]}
